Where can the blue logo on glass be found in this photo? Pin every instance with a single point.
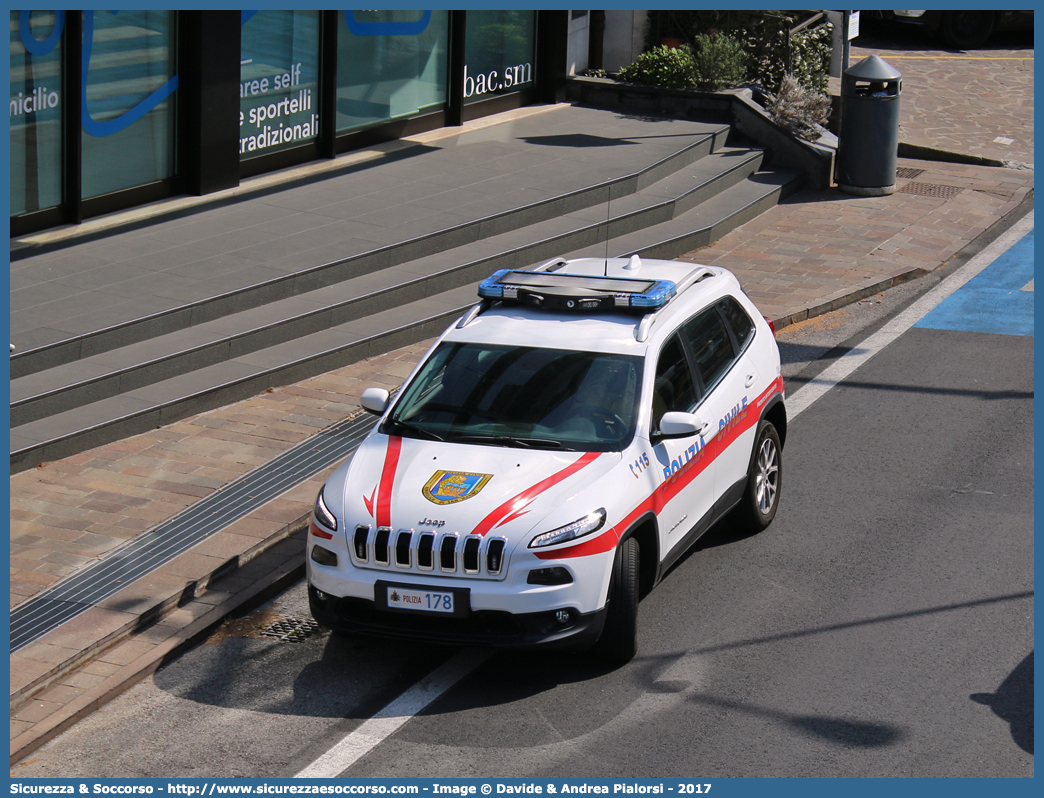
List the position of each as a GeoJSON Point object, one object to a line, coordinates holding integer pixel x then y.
{"type": "Point", "coordinates": [386, 28]}
{"type": "Point", "coordinates": [124, 120]}
{"type": "Point", "coordinates": [40, 46]}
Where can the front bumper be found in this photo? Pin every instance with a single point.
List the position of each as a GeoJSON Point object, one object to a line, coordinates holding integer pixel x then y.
{"type": "Point", "coordinates": [498, 629]}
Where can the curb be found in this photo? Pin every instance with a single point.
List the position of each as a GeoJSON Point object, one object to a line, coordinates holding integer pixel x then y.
{"type": "Point", "coordinates": [286, 573]}
{"type": "Point", "coordinates": [154, 614]}
{"type": "Point", "coordinates": [842, 298]}
{"type": "Point", "coordinates": [922, 153]}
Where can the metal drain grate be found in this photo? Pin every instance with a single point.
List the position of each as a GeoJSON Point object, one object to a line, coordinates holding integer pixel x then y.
{"type": "Point", "coordinates": [290, 630]}
{"type": "Point", "coordinates": [931, 190]}
{"type": "Point", "coordinates": [908, 171]}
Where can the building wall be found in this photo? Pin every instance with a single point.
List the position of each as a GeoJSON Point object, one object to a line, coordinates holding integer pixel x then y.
{"type": "Point", "coordinates": [624, 38]}
{"type": "Point", "coordinates": [579, 41]}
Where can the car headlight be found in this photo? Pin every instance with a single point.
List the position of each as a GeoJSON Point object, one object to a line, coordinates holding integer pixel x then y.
{"type": "Point", "coordinates": [591, 522]}
{"type": "Point", "coordinates": [322, 512]}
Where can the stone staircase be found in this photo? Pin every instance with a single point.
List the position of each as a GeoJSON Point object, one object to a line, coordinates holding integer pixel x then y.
{"type": "Point", "coordinates": [138, 372]}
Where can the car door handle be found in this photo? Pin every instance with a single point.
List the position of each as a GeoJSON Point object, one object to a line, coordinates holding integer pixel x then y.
{"type": "Point", "coordinates": [749, 381]}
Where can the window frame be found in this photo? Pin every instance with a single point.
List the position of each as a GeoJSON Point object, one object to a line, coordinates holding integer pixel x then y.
{"type": "Point", "coordinates": [701, 388]}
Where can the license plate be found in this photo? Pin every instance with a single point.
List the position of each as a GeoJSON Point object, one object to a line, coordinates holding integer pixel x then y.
{"type": "Point", "coordinates": [406, 598]}
{"type": "Point", "coordinates": [422, 600]}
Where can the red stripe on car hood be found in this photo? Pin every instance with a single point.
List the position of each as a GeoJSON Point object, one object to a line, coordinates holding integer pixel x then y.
{"type": "Point", "coordinates": [516, 506]}
{"type": "Point", "coordinates": [384, 490]}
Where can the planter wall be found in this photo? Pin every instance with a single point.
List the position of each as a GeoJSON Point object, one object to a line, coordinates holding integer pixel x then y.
{"type": "Point", "coordinates": [736, 107]}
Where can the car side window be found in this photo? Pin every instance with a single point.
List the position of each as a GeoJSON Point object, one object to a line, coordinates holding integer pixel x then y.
{"type": "Point", "coordinates": [674, 388]}
{"type": "Point", "coordinates": [711, 346]}
{"type": "Point", "coordinates": [738, 320]}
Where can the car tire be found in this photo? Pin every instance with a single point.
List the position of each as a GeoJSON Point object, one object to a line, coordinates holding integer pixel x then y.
{"type": "Point", "coordinates": [619, 640]}
{"type": "Point", "coordinates": [966, 30]}
{"type": "Point", "coordinates": [760, 499]}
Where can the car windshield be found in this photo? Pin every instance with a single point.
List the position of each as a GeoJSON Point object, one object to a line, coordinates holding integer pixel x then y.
{"type": "Point", "coordinates": [521, 396]}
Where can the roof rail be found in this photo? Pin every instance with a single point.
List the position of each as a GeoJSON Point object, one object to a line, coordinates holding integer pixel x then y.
{"type": "Point", "coordinates": [695, 276]}
{"type": "Point", "coordinates": [552, 265]}
{"type": "Point", "coordinates": [473, 313]}
{"type": "Point", "coordinates": [644, 327]}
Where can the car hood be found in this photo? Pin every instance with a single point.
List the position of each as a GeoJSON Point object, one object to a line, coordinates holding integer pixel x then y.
{"type": "Point", "coordinates": [405, 483]}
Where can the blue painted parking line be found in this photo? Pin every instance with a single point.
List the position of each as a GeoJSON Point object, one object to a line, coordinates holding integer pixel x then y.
{"type": "Point", "coordinates": [997, 300]}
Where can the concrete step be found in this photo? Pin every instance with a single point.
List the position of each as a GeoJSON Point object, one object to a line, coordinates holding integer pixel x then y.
{"type": "Point", "coordinates": [706, 223]}
{"type": "Point", "coordinates": [109, 331]}
{"type": "Point", "coordinates": [67, 386]}
{"type": "Point", "coordinates": [164, 401]}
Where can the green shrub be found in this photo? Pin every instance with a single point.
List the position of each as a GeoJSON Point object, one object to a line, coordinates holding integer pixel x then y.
{"type": "Point", "coordinates": [801, 111]}
{"type": "Point", "coordinates": [720, 62]}
{"type": "Point", "coordinates": [810, 57]}
{"type": "Point", "coordinates": [765, 38]}
{"type": "Point", "coordinates": [662, 66]}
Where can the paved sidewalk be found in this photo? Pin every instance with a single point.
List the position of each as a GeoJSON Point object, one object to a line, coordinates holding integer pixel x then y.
{"type": "Point", "coordinates": [815, 252]}
{"type": "Point", "coordinates": [977, 103]}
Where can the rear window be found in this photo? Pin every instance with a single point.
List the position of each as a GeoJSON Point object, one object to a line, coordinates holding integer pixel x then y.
{"type": "Point", "coordinates": [740, 323]}
{"type": "Point", "coordinates": [711, 345]}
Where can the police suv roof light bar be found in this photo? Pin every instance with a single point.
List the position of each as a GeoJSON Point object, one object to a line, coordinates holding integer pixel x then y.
{"type": "Point", "coordinates": [577, 292]}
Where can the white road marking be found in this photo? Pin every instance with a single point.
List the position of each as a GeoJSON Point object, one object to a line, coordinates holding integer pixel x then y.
{"type": "Point", "coordinates": [808, 394]}
{"type": "Point", "coordinates": [389, 720]}
{"type": "Point", "coordinates": [673, 690]}
{"type": "Point", "coordinates": [1028, 287]}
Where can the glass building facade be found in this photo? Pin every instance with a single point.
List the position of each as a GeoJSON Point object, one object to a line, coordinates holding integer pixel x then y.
{"type": "Point", "coordinates": [128, 111]}
{"type": "Point", "coordinates": [111, 109]}
{"type": "Point", "coordinates": [36, 110]}
{"type": "Point", "coordinates": [390, 65]}
{"type": "Point", "coordinates": [279, 81]}
{"type": "Point", "coordinates": [498, 53]}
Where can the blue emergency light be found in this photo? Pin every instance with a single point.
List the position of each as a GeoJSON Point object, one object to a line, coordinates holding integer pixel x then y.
{"type": "Point", "coordinates": [576, 292]}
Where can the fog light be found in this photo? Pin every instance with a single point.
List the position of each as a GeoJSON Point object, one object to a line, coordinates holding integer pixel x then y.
{"type": "Point", "coordinates": [323, 556]}
{"type": "Point", "coordinates": [562, 616]}
{"type": "Point", "coordinates": [549, 576]}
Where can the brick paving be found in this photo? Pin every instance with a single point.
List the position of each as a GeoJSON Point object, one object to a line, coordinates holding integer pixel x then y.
{"type": "Point", "coordinates": [814, 252]}
{"type": "Point", "coordinates": [820, 248]}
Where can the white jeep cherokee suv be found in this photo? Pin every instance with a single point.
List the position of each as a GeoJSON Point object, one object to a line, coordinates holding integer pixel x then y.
{"type": "Point", "coordinates": [557, 449]}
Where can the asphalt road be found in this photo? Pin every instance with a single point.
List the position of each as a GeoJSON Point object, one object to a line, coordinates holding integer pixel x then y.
{"type": "Point", "coordinates": [882, 626]}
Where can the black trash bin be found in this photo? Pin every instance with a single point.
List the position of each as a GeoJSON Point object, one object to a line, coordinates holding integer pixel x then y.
{"type": "Point", "coordinates": [869, 140]}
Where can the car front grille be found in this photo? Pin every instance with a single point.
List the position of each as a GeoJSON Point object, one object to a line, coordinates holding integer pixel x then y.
{"type": "Point", "coordinates": [444, 554]}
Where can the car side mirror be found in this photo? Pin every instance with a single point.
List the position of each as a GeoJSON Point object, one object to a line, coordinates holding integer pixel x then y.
{"type": "Point", "coordinates": [375, 400]}
{"type": "Point", "coordinates": [680, 425]}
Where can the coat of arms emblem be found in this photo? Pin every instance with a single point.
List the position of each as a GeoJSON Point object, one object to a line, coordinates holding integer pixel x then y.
{"type": "Point", "coordinates": [447, 487]}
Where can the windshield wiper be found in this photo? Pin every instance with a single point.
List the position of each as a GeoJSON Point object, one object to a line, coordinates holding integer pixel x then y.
{"type": "Point", "coordinates": [509, 440]}
{"type": "Point", "coordinates": [410, 427]}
